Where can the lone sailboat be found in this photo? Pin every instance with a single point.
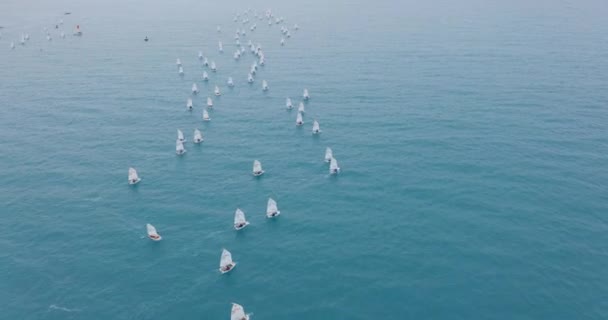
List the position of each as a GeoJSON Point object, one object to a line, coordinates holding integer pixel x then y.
{"type": "Point", "coordinates": [206, 115]}
{"type": "Point", "coordinates": [226, 263]}
{"type": "Point", "coordinates": [239, 220]}
{"type": "Point", "coordinates": [264, 85]}
{"type": "Point", "coordinates": [152, 234]}
{"type": "Point", "coordinates": [198, 136]}
{"type": "Point", "coordinates": [328, 154]}
{"type": "Point", "coordinates": [133, 177]}
{"type": "Point", "coordinates": [179, 148]}
{"type": "Point", "coordinates": [257, 168]}
{"type": "Point", "coordinates": [305, 95]}
{"type": "Point", "coordinates": [288, 104]}
{"type": "Point", "coordinates": [194, 88]}
{"type": "Point", "coordinates": [180, 135]}
{"type": "Point", "coordinates": [209, 102]}
{"type": "Point", "coordinates": [333, 166]}
{"type": "Point", "coordinates": [217, 91]}
{"type": "Point", "coordinates": [271, 209]}
{"type": "Point", "coordinates": [189, 104]}
{"type": "Point", "coordinates": [238, 313]}
{"type": "Point", "coordinates": [315, 127]}
{"type": "Point", "coordinates": [299, 120]}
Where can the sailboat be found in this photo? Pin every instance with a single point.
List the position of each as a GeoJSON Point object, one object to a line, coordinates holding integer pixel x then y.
{"type": "Point", "coordinates": [77, 32]}
{"type": "Point", "coordinates": [152, 234]}
{"type": "Point", "coordinates": [219, 29]}
{"type": "Point", "coordinates": [213, 66]}
{"type": "Point", "coordinates": [205, 76]}
{"type": "Point", "coordinates": [217, 91]}
{"type": "Point", "coordinates": [226, 263]}
{"type": "Point", "coordinates": [178, 62]}
{"type": "Point", "coordinates": [200, 55]}
{"type": "Point", "coordinates": [237, 54]}
{"type": "Point", "coordinates": [282, 41]}
{"type": "Point", "coordinates": [250, 78]}
{"type": "Point", "coordinates": [62, 34]}
{"type": "Point", "coordinates": [220, 46]}
{"type": "Point", "coordinates": [198, 136]}
{"type": "Point", "coordinates": [209, 102]}
{"type": "Point", "coordinates": [238, 42]}
{"type": "Point", "coordinates": [180, 71]}
{"type": "Point", "coordinates": [230, 82]}
{"type": "Point", "coordinates": [264, 85]}
{"type": "Point", "coordinates": [299, 120]}
{"type": "Point", "coordinates": [239, 220]}
{"type": "Point", "coordinates": [48, 37]}
{"type": "Point", "coordinates": [295, 27]}
{"type": "Point", "coordinates": [205, 62]}
{"type": "Point", "coordinates": [23, 40]}
{"type": "Point", "coordinates": [328, 154]}
{"type": "Point", "coordinates": [288, 103]}
{"type": "Point", "coordinates": [305, 95]}
{"type": "Point", "coordinates": [194, 88]}
{"type": "Point", "coordinates": [180, 136]}
{"type": "Point", "coordinates": [12, 45]}
{"type": "Point", "coordinates": [206, 115]}
{"type": "Point", "coordinates": [301, 107]}
{"type": "Point", "coordinates": [189, 104]}
{"type": "Point", "coordinates": [133, 177]}
{"type": "Point", "coordinates": [257, 168]}
{"type": "Point", "coordinates": [333, 166]}
{"type": "Point", "coordinates": [179, 148]}
{"type": "Point", "coordinates": [238, 313]}
{"type": "Point", "coordinates": [271, 209]}
{"type": "Point", "coordinates": [315, 127]}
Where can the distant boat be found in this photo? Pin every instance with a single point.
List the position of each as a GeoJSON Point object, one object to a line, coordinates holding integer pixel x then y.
{"type": "Point", "coordinates": [250, 78]}
{"type": "Point", "coordinates": [271, 209]}
{"type": "Point", "coordinates": [27, 36]}
{"type": "Point", "coordinates": [237, 42]}
{"type": "Point", "coordinates": [12, 45]}
{"type": "Point", "coordinates": [257, 168]}
{"type": "Point", "coordinates": [217, 91]}
{"type": "Point", "coordinates": [226, 263]}
{"type": "Point", "coordinates": [152, 233]}
{"type": "Point", "coordinates": [220, 46]}
{"type": "Point", "coordinates": [296, 27]}
{"type": "Point", "coordinates": [189, 104]}
{"type": "Point", "coordinates": [209, 102]}
{"type": "Point", "coordinates": [62, 34]}
{"type": "Point", "coordinates": [239, 220]}
{"type": "Point", "coordinates": [77, 31]}
{"type": "Point", "coordinates": [238, 313]}
{"type": "Point", "coordinates": [180, 135]}
{"type": "Point", "coordinates": [200, 55]}
{"type": "Point", "coordinates": [301, 107]}
{"type": "Point", "coordinates": [205, 76]}
{"type": "Point", "coordinates": [48, 37]}
{"type": "Point", "coordinates": [219, 29]}
{"type": "Point", "coordinates": [180, 71]}
{"type": "Point", "coordinates": [305, 95]}
{"type": "Point", "coordinates": [133, 177]}
{"type": "Point", "coordinates": [205, 62]}
{"type": "Point", "coordinates": [23, 40]}
{"type": "Point", "coordinates": [146, 39]}
{"type": "Point", "coordinates": [328, 154]}
{"type": "Point", "coordinates": [333, 166]}
{"type": "Point", "coordinates": [264, 85]}
{"type": "Point", "coordinates": [282, 41]}
{"type": "Point", "coordinates": [198, 136]}
{"type": "Point", "coordinates": [299, 120]}
{"type": "Point", "coordinates": [179, 147]}
{"type": "Point", "coordinates": [230, 82]}
{"type": "Point", "coordinates": [194, 88]}
{"type": "Point", "coordinates": [206, 115]}
{"type": "Point", "coordinates": [213, 67]}
{"type": "Point", "coordinates": [237, 54]}
{"type": "Point", "coordinates": [288, 103]}
{"type": "Point", "coordinates": [178, 62]}
{"type": "Point", "coordinates": [315, 127]}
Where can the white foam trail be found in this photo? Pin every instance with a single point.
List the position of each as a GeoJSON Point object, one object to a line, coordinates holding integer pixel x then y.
{"type": "Point", "coordinates": [55, 307]}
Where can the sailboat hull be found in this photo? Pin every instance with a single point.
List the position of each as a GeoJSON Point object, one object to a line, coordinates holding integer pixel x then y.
{"type": "Point", "coordinates": [134, 182]}
{"type": "Point", "coordinates": [259, 173]}
{"type": "Point", "coordinates": [232, 268]}
{"type": "Point", "coordinates": [155, 238]}
{"type": "Point", "coordinates": [276, 214]}
{"type": "Point", "coordinates": [241, 227]}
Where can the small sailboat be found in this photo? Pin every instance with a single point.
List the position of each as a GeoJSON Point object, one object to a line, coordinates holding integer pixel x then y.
{"type": "Point", "coordinates": [133, 177]}
{"type": "Point", "coordinates": [205, 76]}
{"type": "Point", "coordinates": [209, 102]}
{"type": "Point", "coordinates": [271, 209]}
{"type": "Point", "coordinates": [220, 46]}
{"type": "Point", "coordinates": [189, 104]}
{"type": "Point", "coordinates": [27, 36]}
{"type": "Point", "coordinates": [250, 78]}
{"type": "Point", "coordinates": [77, 31]}
{"type": "Point", "coordinates": [296, 27]}
{"type": "Point", "coordinates": [282, 41]}
{"type": "Point", "coordinates": [200, 55]}
{"type": "Point", "coordinates": [198, 136]}
{"type": "Point", "coordinates": [301, 107]}
{"type": "Point", "coordinates": [226, 263]}
{"type": "Point", "coordinates": [264, 85]}
{"type": "Point", "coordinates": [219, 29]}
{"type": "Point", "coordinates": [194, 88]}
{"type": "Point", "coordinates": [305, 95]}
{"type": "Point", "coordinates": [213, 66]}
{"type": "Point", "coordinates": [230, 82]}
{"type": "Point", "coordinates": [257, 168]}
{"type": "Point", "coordinates": [12, 45]}
{"type": "Point", "coordinates": [62, 34]}
{"type": "Point", "coordinates": [315, 127]}
{"type": "Point", "coordinates": [217, 91]}
{"type": "Point", "coordinates": [262, 61]}
{"type": "Point", "coordinates": [180, 135]}
{"type": "Point", "coordinates": [328, 154]}
{"type": "Point", "coordinates": [288, 103]}
{"type": "Point", "coordinates": [333, 166]}
{"type": "Point", "coordinates": [239, 220]}
{"type": "Point", "coordinates": [237, 54]}
{"type": "Point", "coordinates": [23, 40]}
{"type": "Point", "coordinates": [299, 120]}
{"type": "Point", "coordinates": [48, 38]}
{"type": "Point", "coordinates": [205, 62]}
{"type": "Point", "coordinates": [238, 313]}
{"type": "Point", "coordinates": [180, 71]}
{"type": "Point", "coordinates": [179, 147]}
{"type": "Point", "coordinates": [152, 233]}
{"type": "Point", "coordinates": [237, 42]}
{"type": "Point", "coordinates": [206, 115]}
{"type": "Point", "coordinates": [178, 62]}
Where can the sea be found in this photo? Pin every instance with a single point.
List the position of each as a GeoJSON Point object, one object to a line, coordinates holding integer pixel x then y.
{"type": "Point", "coordinates": [471, 135]}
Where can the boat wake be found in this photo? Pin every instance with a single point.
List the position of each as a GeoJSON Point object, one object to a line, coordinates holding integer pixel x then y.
{"type": "Point", "coordinates": [56, 307]}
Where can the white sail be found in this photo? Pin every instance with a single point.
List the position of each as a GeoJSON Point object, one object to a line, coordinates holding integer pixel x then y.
{"type": "Point", "coordinates": [198, 136]}
{"type": "Point", "coordinates": [226, 261]}
{"type": "Point", "coordinates": [133, 177]}
{"type": "Point", "coordinates": [328, 154]}
{"type": "Point", "coordinates": [219, 29]}
{"type": "Point", "coordinates": [249, 78]}
{"type": "Point", "coordinates": [213, 66]}
{"type": "Point", "coordinates": [305, 94]}
{"type": "Point", "coordinates": [209, 102]}
{"type": "Point", "coordinates": [217, 91]}
{"type": "Point", "coordinates": [288, 103]}
{"type": "Point", "coordinates": [282, 41]}
{"type": "Point", "coordinates": [236, 55]}
{"type": "Point", "coordinates": [271, 208]}
{"type": "Point", "coordinates": [180, 135]}
{"type": "Point", "coordinates": [189, 104]}
{"type": "Point", "coordinates": [206, 115]}
{"type": "Point", "coordinates": [240, 221]}
{"type": "Point", "coordinates": [152, 233]}
{"type": "Point", "coordinates": [194, 88]}
{"type": "Point", "coordinates": [200, 55]}
{"type": "Point", "coordinates": [315, 127]}
{"type": "Point", "coordinates": [205, 62]}
{"type": "Point", "coordinates": [264, 85]}
{"type": "Point", "coordinates": [333, 166]}
{"type": "Point", "coordinates": [299, 120]}
{"type": "Point", "coordinates": [180, 70]}
{"type": "Point", "coordinates": [238, 42]}
{"type": "Point", "coordinates": [257, 168]}
{"type": "Point", "coordinates": [238, 313]}
{"type": "Point", "coordinates": [230, 82]}
{"type": "Point", "coordinates": [301, 107]}
{"type": "Point", "coordinates": [12, 45]}
{"type": "Point", "coordinates": [205, 76]}
{"type": "Point", "coordinates": [179, 147]}
{"type": "Point", "coordinates": [220, 46]}
{"type": "Point", "coordinates": [178, 62]}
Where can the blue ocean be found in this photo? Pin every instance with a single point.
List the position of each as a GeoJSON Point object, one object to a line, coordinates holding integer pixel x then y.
{"type": "Point", "coordinates": [471, 135]}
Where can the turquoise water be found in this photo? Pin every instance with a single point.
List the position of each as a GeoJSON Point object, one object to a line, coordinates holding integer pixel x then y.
{"type": "Point", "coordinates": [471, 137]}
